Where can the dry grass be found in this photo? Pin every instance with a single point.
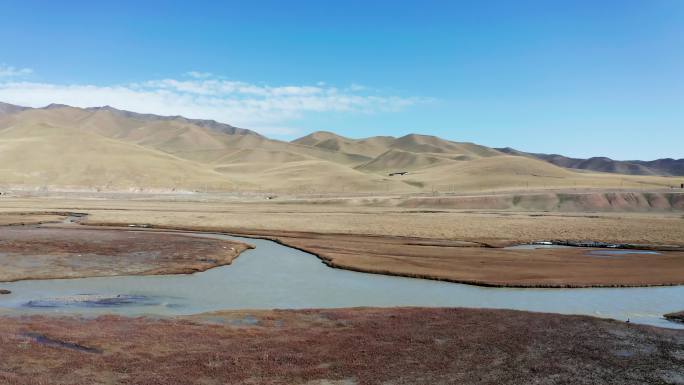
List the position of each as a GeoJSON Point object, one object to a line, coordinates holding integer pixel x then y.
{"type": "Point", "coordinates": [110, 150]}
{"type": "Point", "coordinates": [9, 218]}
{"type": "Point", "coordinates": [463, 263]}
{"type": "Point", "coordinates": [473, 225]}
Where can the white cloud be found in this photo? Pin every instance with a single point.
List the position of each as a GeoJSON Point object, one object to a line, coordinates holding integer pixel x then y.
{"type": "Point", "coordinates": [199, 74]}
{"type": "Point", "coordinates": [11, 72]}
{"type": "Point", "coordinates": [268, 109]}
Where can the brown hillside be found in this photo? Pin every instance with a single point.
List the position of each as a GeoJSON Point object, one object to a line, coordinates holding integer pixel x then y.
{"type": "Point", "coordinates": [105, 148]}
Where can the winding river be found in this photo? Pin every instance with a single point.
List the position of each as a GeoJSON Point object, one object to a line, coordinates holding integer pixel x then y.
{"type": "Point", "coordinates": [276, 276]}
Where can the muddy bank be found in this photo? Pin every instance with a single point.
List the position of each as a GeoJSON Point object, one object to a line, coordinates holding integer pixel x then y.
{"type": "Point", "coordinates": [676, 317]}
{"type": "Point", "coordinates": [47, 253]}
{"type": "Point", "coordinates": [342, 346]}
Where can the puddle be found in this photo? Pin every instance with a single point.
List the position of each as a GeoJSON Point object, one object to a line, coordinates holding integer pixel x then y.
{"type": "Point", "coordinates": [47, 341]}
{"type": "Point", "coordinates": [244, 321]}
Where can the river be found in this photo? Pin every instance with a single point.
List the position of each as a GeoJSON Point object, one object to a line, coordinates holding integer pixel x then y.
{"type": "Point", "coordinates": [275, 276]}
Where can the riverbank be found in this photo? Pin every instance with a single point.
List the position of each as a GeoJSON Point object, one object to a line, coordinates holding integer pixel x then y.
{"type": "Point", "coordinates": [110, 249]}
{"type": "Point", "coordinates": [460, 262]}
{"type": "Point", "coordinates": [451, 245]}
{"type": "Point", "coordinates": [475, 263]}
{"type": "Point", "coordinates": [339, 346]}
{"type": "Point", "coordinates": [49, 253]}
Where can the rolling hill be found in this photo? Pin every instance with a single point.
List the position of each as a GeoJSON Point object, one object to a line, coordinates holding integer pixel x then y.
{"type": "Point", "coordinates": [106, 149]}
{"type": "Point", "coordinates": [328, 141]}
{"type": "Point", "coordinates": [664, 167]}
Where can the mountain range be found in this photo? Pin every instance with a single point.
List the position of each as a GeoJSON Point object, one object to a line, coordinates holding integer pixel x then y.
{"type": "Point", "coordinates": [665, 167]}
{"type": "Point", "coordinates": [103, 148]}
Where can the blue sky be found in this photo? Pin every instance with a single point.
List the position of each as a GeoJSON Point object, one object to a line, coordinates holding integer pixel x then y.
{"type": "Point", "coordinates": [580, 78]}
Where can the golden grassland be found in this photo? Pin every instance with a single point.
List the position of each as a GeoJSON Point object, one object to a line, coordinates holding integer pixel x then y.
{"type": "Point", "coordinates": [104, 149]}
{"type": "Point", "coordinates": [666, 227]}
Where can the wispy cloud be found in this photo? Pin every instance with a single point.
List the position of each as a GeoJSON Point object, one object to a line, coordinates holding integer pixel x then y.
{"type": "Point", "coordinates": [266, 108]}
{"type": "Point", "coordinates": [12, 72]}
{"type": "Point", "coordinates": [199, 74]}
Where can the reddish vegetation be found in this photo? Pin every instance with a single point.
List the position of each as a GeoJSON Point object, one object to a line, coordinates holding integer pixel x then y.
{"type": "Point", "coordinates": [39, 253]}
{"type": "Point", "coordinates": [354, 346]}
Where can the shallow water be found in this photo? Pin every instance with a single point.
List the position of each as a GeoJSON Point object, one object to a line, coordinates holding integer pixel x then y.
{"type": "Point", "coordinates": [535, 246]}
{"type": "Point", "coordinates": [622, 252]}
{"type": "Point", "coordinates": [275, 276]}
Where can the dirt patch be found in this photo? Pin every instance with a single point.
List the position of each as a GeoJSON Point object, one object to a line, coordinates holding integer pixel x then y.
{"type": "Point", "coordinates": [46, 253]}
{"type": "Point", "coordinates": [340, 346]}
